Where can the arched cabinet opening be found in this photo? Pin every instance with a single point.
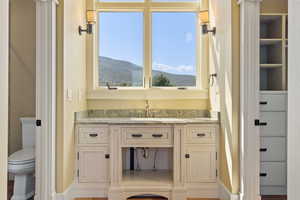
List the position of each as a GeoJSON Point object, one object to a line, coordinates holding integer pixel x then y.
{"type": "Point", "coordinates": [147, 197]}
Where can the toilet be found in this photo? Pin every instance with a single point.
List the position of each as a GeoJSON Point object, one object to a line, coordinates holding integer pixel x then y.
{"type": "Point", "coordinates": [21, 164]}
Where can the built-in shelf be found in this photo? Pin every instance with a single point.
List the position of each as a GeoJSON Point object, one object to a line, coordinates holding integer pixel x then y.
{"type": "Point", "coordinates": [270, 26]}
{"type": "Point", "coordinates": [270, 65]}
{"type": "Point", "coordinates": [147, 177]}
{"type": "Point", "coordinates": [266, 41]}
{"type": "Point", "coordinates": [273, 51]}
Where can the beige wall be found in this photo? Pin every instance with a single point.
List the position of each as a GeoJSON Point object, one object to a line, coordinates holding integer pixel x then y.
{"type": "Point", "coordinates": [21, 68]}
{"type": "Point", "coordinates": [274, 6]}
{"type": "Point", "coordinates": [4, 96]}
{"type": "Point", "coordinates": [224, 95]}
{"type": "Point", "coordinates": [71, 76]}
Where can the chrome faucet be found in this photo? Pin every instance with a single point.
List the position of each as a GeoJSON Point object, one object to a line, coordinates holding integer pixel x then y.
{"type": "Point", "coordinates": [147, 108]}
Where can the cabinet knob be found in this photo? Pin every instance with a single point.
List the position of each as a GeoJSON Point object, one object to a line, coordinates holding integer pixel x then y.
{"type": "Point", "coordinates": [187, 155]}
{"type": "Point", "coordinates": [107, 156]}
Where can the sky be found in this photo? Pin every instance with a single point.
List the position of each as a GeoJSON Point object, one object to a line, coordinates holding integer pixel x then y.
{"type": "Point", "coordinates": [173, 39]}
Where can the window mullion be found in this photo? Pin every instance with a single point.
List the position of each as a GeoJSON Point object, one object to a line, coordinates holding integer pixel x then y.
{"type": "Point", "coordinates": [147, 47]}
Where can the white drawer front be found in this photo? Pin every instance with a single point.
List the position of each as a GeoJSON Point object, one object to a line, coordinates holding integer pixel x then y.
{"type": "Point", "coordinates": [93, 135]}
{"type": "Point", "coordinates": [273, 102]}
{"type": "Point", "coordinates": [273, 190]}
{"type": "Point", "coordinates": [276, 123]}
{"type": "Point", "coordinates": [147, 135]}
{"type": "Point", "coordinates": [199, 134]}
{"type": "Point", "coordinates": [272, 174]}
{"type": "Point", "coordinates": [273, 149]}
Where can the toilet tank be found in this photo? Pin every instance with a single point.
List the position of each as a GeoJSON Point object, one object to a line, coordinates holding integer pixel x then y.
{"type": "Point", "coordinates": [28, 132]}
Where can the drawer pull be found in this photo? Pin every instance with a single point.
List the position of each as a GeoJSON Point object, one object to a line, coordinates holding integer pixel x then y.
{"type": "Point", "coordinates": [263, 103]}
{"type": "Point", "coordinates": [93, 135]}
{"type": "Point", "coordinates": [157, 135]}
{"type": "Point", "coordinates": [263, 150]}
{"type": "Point", "coordinates": [263, 123]}
{"type": "Point", "coordinates": [201, 134]}
{"type": "Point", "coordinates": [263, 174]}
{"type": "Point", "coordinates": [137, 135]}
{"type": "Point", "coordinates": [258, 123]}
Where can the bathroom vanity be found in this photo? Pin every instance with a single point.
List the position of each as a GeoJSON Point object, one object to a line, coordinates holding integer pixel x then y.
{"type": "Point", "coordinates": [121, 158]}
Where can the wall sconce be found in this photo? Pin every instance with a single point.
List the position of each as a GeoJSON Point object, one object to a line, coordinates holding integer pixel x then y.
{"type": "Point", "coordinates": [204, 18]}
{"type": "Point", "coordinates": [91, 19]}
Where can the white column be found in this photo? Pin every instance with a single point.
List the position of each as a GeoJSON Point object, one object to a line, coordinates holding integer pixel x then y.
{"type": "Point", "coordinates": [4, 19]}
{"type": "Point", "coordinates": [293, 101]}
{"type": "Point", "coordinates": [249, 99]}
{"type": "Point", "coordinates": [46, 97]}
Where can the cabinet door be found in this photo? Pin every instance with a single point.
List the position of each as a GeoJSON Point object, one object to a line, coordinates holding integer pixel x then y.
{"type": "Point", "coordinates": [201, 164]}
{"type": "Point", "coordinates": [93, 165]}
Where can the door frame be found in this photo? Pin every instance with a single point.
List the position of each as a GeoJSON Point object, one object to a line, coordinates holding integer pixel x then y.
{"type": "Point", "coordinates": [293, 138]}
{"type": "Point", "coordinates": [4, 62]}
{"type": "Point", "coordinates": [249, 100]}
{"type": "Point", "coordinates": [45, 98]}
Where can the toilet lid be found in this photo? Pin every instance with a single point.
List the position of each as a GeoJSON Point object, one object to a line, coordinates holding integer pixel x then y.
{"type": "Point", "coordinates": [23, 156]}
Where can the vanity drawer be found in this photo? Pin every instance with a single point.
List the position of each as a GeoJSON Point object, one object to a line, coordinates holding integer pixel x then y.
{"type": "Point", "coordinates": [273, 173]}
{"type": "Point", "coordinates": [273, 102]}
{"type": "Point", "coordinates": [200, 134]}
{"type": "Point", "coordinates": [93, 135]}
{"type": "Point", "coordinates": [273, 149]}
{"type": "Point", "coordinates": [274, 124]}
{"type": "Point", "coordinates": [147, 135]}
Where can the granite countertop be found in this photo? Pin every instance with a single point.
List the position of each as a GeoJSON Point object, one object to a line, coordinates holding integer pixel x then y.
{"type": "Point", "coordinates": [137, 117]}
{"type": "Point", "coordinates": [146, 120]}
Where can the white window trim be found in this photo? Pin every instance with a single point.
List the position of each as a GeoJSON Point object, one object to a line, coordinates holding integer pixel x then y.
{"type": "Point", "coordinates": [200, 91]}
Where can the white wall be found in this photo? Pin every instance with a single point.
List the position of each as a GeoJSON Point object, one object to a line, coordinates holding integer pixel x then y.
{"type": "Point", "coordinates": [4, 97]}
{"type": "Point", "coordinates": [293, 101]}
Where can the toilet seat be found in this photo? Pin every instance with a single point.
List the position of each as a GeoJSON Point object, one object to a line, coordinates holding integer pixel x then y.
{"type": "Point", "coordinates": [25, 156]}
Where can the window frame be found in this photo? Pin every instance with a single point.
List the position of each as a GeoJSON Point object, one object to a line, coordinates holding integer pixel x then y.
{"type": "Point", "coordinates": [147, 91]}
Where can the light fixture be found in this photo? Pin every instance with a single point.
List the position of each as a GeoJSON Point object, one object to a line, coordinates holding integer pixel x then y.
{"type": "Point", "coordinates": [204, 18]}
{"type": "Point", "coordinates": [91, 19]}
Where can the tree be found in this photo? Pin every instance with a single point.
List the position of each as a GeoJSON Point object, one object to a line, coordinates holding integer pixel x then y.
{"type": "Point", "coordinates": [161, 80]}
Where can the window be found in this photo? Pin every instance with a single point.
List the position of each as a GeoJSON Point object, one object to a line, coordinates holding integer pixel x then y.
{"type": "Point", "coordinates": [121, 49]}
{"type": "Point", "coordinates": [174, 49]}
{"type": "Point", "coordinates": [148, 45]}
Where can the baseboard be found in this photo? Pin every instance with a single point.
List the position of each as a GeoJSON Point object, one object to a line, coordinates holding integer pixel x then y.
{"type": "Point", "coordinates": [225, 194]}
{"type": "Point", "coordinates": [76, 190]}
{"type": "Point", "coordinates": [66, 195]}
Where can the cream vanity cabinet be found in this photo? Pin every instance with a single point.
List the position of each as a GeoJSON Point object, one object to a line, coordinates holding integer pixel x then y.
{"type": "Point", "coordinates": [92, 154]}
{"type": "Point", "coordinates": [186, 164]}
{"type": "Point", "coordinates": [201, 154]}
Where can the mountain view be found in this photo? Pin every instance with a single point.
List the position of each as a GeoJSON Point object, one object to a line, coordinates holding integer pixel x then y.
{"type": "Point", "coordinates": [124, 73]}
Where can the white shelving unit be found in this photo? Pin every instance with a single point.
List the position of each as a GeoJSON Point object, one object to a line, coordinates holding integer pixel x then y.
{"type": "Point", "coordinates": [273, 51]}
{"type": "Point", "coordinates": [273, 86]}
